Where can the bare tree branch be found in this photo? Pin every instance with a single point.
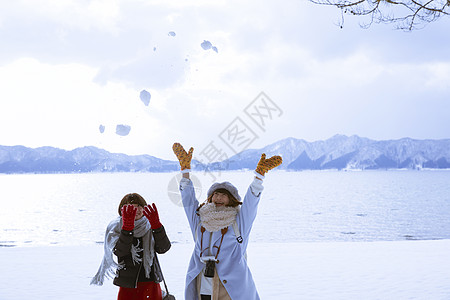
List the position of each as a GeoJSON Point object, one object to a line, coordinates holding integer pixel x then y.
{"type": "Point", "coordinates": [405, 14]}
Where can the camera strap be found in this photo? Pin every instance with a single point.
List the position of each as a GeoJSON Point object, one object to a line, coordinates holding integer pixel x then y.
{"type": "Point", "coordinates": [202, 230]}
{"type": "Point", "coordinates": [223, 231]}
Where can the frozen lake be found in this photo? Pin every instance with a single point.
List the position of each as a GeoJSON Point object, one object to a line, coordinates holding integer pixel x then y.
{"type": "Point", "coordinates": [309, 206]}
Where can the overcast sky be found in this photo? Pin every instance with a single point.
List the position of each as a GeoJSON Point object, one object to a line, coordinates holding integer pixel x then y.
{"type": "Point", "coordinates": [67, 67]}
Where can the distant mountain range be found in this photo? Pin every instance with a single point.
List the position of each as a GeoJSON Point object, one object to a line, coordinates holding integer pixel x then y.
{"type": "Point", "coordinates": [20, 159]}
{"type": "Point", "coordinates": [338, 152]}
{"type": "Point", "coordinates": [354, 152]}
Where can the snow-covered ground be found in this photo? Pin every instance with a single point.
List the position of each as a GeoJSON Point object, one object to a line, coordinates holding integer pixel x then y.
{"type": "Point", "coordinates": [331, 270]}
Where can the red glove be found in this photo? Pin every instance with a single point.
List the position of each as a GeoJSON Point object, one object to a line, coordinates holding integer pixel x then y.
{"type": "Point", "coordinates": [151, 213]}
{"type": "Point", "coordinates": [128, 216]}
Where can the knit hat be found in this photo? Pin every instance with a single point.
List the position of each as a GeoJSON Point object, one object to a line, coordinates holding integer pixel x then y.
{"type": "Point", "coordinates": [227, 186]}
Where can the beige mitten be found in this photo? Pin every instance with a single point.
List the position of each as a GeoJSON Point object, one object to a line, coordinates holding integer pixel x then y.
{"type": "Point", "coordinates": [183, 157]}
{"type": "Point", "coordinates": [265, 165]}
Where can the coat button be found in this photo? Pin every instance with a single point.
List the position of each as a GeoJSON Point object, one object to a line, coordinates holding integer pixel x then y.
{"type": "Point", "coordinates": [224, 281]}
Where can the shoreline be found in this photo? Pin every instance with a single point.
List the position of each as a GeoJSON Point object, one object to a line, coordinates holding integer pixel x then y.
{"type": "Point", "coordinates": [10, 244]}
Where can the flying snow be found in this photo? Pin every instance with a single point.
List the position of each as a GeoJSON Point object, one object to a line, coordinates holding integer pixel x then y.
{"type": "Point", "coordinates": [123, 130]}
{"type": "Point", "coordinates": [206, 45]}
{"type": "Point", "coordinates": [171, 33]}
{"type": "Point", "coordinates": [101, 128]}
{"type": "Point", "coordinates": [145, 97]}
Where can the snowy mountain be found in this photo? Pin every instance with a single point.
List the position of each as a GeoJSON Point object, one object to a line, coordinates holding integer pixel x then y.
{"type": "Point", "coordinates": [338, 152]}
{"type": "Point", "coordinates": [19, 159]}
{"type": "Point", "coordinates": [354, 152]}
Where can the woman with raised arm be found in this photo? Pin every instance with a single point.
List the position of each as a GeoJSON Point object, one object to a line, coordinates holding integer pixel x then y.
{"type": "Point", "coordinates": [221, 227]}
{"type": "Point", "coordinates": [134, 238]}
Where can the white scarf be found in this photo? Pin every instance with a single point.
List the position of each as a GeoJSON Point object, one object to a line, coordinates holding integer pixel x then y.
{"type": "Point", "coordinates": [215, 218]}
{"type": "Point", "coordinates": [108, 266]}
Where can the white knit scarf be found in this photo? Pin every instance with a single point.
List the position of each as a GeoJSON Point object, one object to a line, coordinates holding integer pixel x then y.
{"type": "Point", "coordinates": [215, 218]}
{"type": "Point", "coordinates": [108, 266]}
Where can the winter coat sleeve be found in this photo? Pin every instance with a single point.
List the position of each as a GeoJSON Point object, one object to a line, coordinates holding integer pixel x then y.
{"type": "Point", "coordinates": [249, 209]}
{"type": "Point", "coordinates": [162, 243]}
{"type": "Point", "coordinates": [123, 245]}
{"type": "Point", "coordinates": [190, 203]}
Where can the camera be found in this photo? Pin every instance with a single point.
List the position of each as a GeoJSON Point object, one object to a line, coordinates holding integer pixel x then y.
{"type": "Point", "coordinates": [209, 269]}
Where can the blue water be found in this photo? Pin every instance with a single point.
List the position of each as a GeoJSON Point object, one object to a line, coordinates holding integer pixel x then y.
{"type": "Point", "coordinates": [310, 206]}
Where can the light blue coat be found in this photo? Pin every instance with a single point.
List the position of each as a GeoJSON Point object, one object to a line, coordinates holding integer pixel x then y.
{"type": "Point", "coordinates": [232, 268]}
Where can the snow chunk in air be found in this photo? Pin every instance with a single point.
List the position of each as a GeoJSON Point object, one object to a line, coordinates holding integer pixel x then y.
{"type": "Point", "coordinates": [206, 45]}
{"type": "Point", "coordinates": [145, 97]}
{"type": "Point", "coordinates": [123, 130]}
{"type": "Point", "coordinates": [171, 33]}
{"type": "Point", "coordinates": [101, 128]}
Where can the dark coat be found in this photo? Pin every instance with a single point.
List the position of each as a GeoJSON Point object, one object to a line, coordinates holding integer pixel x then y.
{"type": "Point", "coordinates": [132, 273]}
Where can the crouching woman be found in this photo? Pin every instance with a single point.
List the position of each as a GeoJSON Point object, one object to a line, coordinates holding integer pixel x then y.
{"type": "Point", "coordinates": [221, 227]}
{"type": "Point", "coordinates": [134, 238]}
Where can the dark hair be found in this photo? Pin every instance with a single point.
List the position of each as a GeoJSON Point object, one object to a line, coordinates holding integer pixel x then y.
{"type": "Point", "coordinates": [132, 198]}
{"type": "Point", "coordinates": [233, 201]}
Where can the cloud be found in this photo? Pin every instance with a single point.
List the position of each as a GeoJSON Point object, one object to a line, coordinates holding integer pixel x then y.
{"type": "Point", "coordinates": [437, 76]}
{"type": "Point", "coordinates": [118, 37]}
{"type": "Point", "coordinates": [87, 61]}
{"type": "Point", "coordinates": [59, 104]}
{"type": "Point", "coordinates": [100, 15]}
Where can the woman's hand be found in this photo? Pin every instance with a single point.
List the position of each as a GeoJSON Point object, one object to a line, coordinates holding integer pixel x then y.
{"type": "Point", "coordinates": [265, 165]}
{"type": "Point", "coordinates": [151, 213]}
{"type": "Point", "coordinates": [128, 216]}
{"type": "Point", "coordinates": [183, 157]}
